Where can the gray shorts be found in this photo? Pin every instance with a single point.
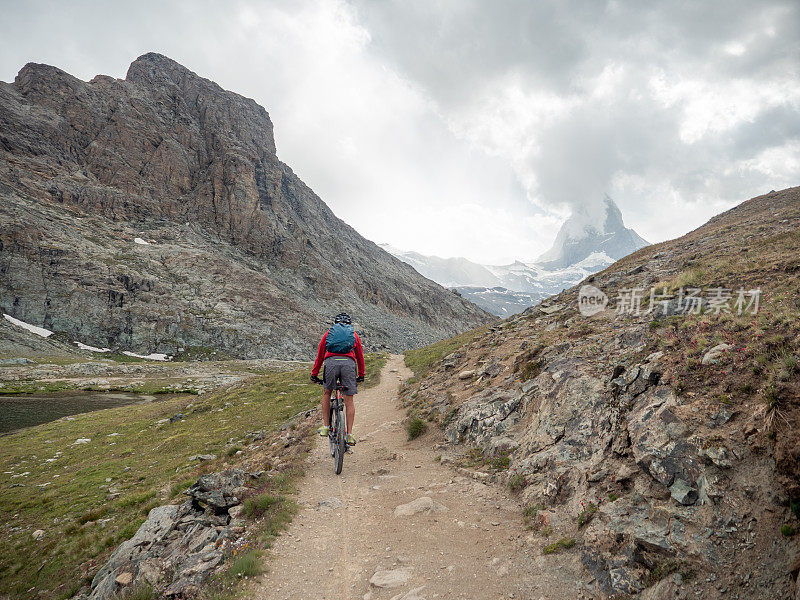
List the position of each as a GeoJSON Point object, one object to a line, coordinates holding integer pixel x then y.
{"type": "Point", "coordinates": [342, 367]}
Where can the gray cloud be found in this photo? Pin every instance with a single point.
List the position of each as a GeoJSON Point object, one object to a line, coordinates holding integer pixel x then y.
{"type": "Point", "coordinates": [730, 91]}
{"type": "Point", "coordinates": [462, 127]}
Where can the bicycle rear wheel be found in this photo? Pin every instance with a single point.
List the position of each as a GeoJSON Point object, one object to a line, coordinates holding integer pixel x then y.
{"type": "Point", "coordinates": [332, 432]}
{"type": "Point", "coordinates": [341, 443]}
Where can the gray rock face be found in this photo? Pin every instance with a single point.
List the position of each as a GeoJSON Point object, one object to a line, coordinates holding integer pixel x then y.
{"type": "Point", "coordinates": [220, 491]}
{"type": "Point", "coordinates": [178, 546]}
{"type": "Point", "coordinates": [579, 435]}
{"type": "Point", "coordinates": [484, 417]}
{"type": "Point", "coordinates": [234, 251]}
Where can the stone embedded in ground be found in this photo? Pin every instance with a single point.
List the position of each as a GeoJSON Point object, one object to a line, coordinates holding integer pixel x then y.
{"type": "Point", "coordinates": [484, 417]}
{"type": "Point", "coordinates": [425, 504]}
{"type": "Point", "coordinates": [124, 578]}
{"type": "Point", "coordinates": [410, 594]}
{"type": "Point", "coordinates": [390, 579]}
{"type": "Point", "coordinates": [202, 457]}
{"type": "Point", "coordinates": [466, 374]}
{"type": "Point", "coordinates": [330, 503]}
{"type": "Point", "coordinates": [712, 356]}
{"type": "Point", "coordinates": [451, 360]}
{"type": "Point", "coordinates": [682, 492]}
{"type": "Point", "coordinates": [38, 534]}
{"type": "Point", "coordinates": [623, 581]}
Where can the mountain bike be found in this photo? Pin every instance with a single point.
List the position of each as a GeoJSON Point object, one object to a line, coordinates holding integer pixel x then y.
{"type": "Point", "coordinates": [338, 429]}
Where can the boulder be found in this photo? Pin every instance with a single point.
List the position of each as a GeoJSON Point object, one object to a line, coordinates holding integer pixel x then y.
{"type": "Point", "coordinates": [655, 434]}
{"type": "Point", "coordinates": [178, 546]}
{"type": "Point", "coordinates": [466, 374]}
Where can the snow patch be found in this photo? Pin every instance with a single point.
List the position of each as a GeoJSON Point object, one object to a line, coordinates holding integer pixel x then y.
{"type": "Point", "coordinates": [153, 356]}
{"type": "Point", "coordinates": [139, 240]}
{"type": "Point", "coordinates": [40, 331]}
{"type": "Point", "coordinates": [91, 348]}
{"type": "Point", "coordinates": [595, 260]}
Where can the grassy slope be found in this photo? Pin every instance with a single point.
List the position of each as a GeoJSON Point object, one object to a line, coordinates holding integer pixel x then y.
{"type": "Point", "coordinates": [65, 489]}
{"type": "Point", "coordinates": [421, 360]}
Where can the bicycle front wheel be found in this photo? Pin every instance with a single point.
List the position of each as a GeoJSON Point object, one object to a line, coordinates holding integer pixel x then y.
{"type": "Point", "coordinates": [341, 442]}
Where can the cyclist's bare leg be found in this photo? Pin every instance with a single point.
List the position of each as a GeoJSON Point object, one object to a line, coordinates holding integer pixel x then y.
{"type": "Point", "coordinates": [349, 412]}
{"type": "Point", "coordinates": [326, 407]}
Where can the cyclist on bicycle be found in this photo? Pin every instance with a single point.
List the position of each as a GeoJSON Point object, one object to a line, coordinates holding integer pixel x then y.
{"type": "Point", "coordinates": [340, 352]}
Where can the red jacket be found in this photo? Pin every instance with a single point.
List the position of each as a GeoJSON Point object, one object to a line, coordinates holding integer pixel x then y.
{"type": "Point", "coordinates": [357, 354]}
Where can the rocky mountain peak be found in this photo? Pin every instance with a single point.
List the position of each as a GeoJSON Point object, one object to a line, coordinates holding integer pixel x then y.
{"type": "Point", "coordinates": [235, 252]}
{"type": "Point", "coordinates": [241, 119]}
{"type": "Point", "coordinates": [39, 78]}
{"type": "Point", "coordinates": [592, 228]}
{"type": "Point", "coordinates": [149, 67]}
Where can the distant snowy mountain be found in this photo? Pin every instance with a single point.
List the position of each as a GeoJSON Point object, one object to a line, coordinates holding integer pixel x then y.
{"type": "Point", "coordinates": [580, 249]}
{"type": "Point", "coordinates": [449, 272]}
{"type": "Point", "coordinates": [582, 235]}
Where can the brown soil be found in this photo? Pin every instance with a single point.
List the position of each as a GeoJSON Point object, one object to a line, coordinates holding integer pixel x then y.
{"type": "Point", "coordinates": [478, 549]}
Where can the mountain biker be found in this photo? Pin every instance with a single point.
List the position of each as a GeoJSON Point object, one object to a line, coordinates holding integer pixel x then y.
{"type": "Point", "coordinates": [340, 354]}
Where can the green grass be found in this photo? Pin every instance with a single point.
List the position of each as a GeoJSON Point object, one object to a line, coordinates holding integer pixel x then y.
{"type": "Point", "coordinates": [374, 363]}
{"type": "Point", "coordinates": [556, 547]}
{"type": "Point", "coordinates": [31, 387]}
{"type": "Point", "coordinates": [415, 428]}
{"type": "Point", "coordinates": [787, 530]}
{"type": "Point", "coordinates": [794, 506]}
{"type": "Point", "coordinates": [422, 360]}
{"type": "Point", "coordinates": [246, 565]}
{"type": "Point", "coordinates": [148, 462]}
{"type": "Point", "coordinates": [517, 483]}
{"type": "Point", "coordinates": [667, 567]}
{"type": "Point", "coordinates": [498, 460]}
{"type": "Point", "coordinates": [136, 499]}
{"type": "Point", "coordinates": [258, 505]}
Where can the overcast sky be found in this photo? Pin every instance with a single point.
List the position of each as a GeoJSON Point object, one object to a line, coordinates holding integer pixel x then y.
{"type": "Point", "coordinates": [473, 128]}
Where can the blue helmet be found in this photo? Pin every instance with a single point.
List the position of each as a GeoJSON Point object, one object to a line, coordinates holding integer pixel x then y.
{"type": "Point", "coordinates": [343, 318]}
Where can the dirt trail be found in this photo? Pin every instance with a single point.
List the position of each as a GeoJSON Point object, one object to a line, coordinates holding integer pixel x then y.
{"type": "Point", "coordinates": [346, 530]}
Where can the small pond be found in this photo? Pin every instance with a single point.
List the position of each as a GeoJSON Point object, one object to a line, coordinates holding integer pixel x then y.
{"type": "Point", "coordinates": [27, 410]}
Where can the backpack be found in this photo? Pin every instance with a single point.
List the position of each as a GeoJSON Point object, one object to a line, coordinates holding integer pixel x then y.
{"type": "Point", "coordinates": [341, 339]}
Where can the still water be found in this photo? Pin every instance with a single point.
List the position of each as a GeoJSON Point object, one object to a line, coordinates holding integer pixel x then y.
{"type": "Point", "coordinates": [26, 410]}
